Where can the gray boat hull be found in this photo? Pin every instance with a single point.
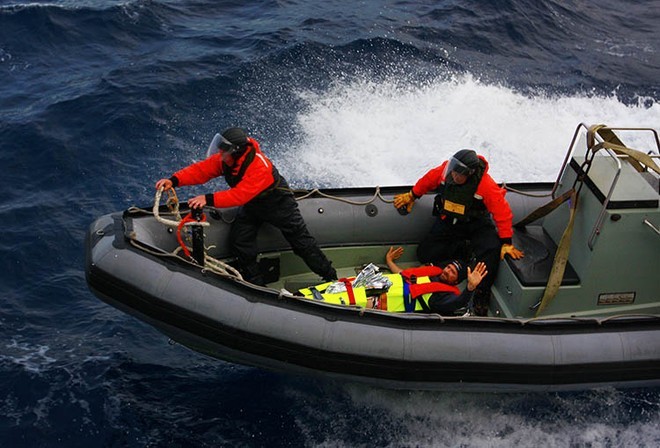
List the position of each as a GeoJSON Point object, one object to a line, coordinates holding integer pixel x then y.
{"type": "Point", "coordinates": [268, 328]}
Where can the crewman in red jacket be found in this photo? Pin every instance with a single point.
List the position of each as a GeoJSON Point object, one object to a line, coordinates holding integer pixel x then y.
{"type": "Point", "coordinates": [466, 199]}
{"type": "Point", "coordinates": [263, 194]}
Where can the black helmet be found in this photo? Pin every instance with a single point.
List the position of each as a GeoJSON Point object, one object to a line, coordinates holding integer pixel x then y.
{"type": "Point", "coordinates": [237, 137]}
{"type": "Point", "coordinates": [465, 162]}
{"type": "Point", "coordinates": [232, 141]}
{"type": "Point", "coordinates": [469, 159]}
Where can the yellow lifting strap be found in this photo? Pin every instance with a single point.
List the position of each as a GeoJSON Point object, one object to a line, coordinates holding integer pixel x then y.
{"type": "Point", "coordinates": [561, 257]}
{"type": "Point", "coordinates": [636, 158]}
{"type": "Point", "coordinates": [544, 209]}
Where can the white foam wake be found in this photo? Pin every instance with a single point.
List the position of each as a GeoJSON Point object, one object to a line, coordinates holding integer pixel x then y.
{"type": "Point", "coordinates": [362, 133]}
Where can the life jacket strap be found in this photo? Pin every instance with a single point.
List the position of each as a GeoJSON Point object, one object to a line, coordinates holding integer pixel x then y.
{"type": "Point", "coordinates": [315, 293]}
{"type": "Point", "coordinates": [275, 185]}
{"type": "Point", "coordinates": [423, 304]}
{"type": "Point", "coordinates": [408, 302]}
{"type": "Point", "coordinates": [349, 290]}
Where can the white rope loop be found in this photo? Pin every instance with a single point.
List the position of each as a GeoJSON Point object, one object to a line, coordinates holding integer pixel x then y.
{"type": "Point", "coordinates": [170, 222]}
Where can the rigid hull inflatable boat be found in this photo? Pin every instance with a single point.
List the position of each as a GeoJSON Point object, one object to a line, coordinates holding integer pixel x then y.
{"type": "Point", "coordinates": [580, 310]}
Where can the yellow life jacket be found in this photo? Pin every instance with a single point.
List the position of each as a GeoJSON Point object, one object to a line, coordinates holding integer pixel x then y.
{"type": "Point", "coordinates": [394, 301]}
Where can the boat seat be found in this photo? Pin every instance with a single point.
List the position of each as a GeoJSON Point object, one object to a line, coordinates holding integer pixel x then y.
{"type": "Point", "coordinates": [534, 268]}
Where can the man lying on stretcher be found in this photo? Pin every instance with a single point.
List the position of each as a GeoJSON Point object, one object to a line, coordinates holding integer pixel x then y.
{"type": "Point", "coordinates": [429, 289]}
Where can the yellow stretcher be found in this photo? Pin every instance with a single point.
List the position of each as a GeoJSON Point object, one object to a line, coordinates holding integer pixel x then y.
{"type": "Point", "coordinates": [391, 300]}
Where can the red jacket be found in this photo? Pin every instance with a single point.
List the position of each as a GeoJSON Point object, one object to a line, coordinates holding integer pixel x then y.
{"type": "Point", "coordinates": [417, 289]}
{"type": "Point", "coordinates": [257, 178]}
{"type": "Point", "coordinates": [488, 191]}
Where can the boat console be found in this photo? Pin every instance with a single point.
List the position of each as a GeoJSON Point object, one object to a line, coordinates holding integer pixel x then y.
{"type": "Point", "coordinates": [611, 245]}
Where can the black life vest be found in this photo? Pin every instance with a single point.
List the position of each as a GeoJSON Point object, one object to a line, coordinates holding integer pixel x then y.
{"type": "Point", "coordinates": [458, 201]}
{"type": "Point", "coordinates": [233, 179]}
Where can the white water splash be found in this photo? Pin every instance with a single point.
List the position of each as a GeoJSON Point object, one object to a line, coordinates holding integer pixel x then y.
{"type": "Point", "coordinates": [599, 418]}
{"type": "Point", "coordinates": [362, 133]}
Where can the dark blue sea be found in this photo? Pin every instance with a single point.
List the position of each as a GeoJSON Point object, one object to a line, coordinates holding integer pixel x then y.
{"type": "Point", "coordinates": [101, 98]}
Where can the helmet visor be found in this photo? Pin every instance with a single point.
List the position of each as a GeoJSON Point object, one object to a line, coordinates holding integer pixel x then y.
{"type": "Point", "coordinates": [457, 172]}
{"type": "Point", "coordinates": [220, 144]}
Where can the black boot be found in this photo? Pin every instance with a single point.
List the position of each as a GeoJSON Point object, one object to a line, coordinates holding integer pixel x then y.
{"type": "Point", "coordinates": [252, 274]}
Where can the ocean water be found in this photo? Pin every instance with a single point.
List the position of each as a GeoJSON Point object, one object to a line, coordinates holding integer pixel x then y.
{"type": "Point", "coordinates": [100, 98]}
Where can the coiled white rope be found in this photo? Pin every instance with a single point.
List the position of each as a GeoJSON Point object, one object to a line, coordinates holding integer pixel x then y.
{"type": "Point", "coordinates": [173, 204]}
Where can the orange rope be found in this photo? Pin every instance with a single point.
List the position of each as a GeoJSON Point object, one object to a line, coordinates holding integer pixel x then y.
{"type": "Point", "coordinates": [184, 220]}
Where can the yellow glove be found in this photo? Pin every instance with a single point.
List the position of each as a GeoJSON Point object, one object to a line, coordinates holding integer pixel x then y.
{"type": "Point", "coordinates": [404, 200]}
{"type": "Point", "coordinates": [510, 250]}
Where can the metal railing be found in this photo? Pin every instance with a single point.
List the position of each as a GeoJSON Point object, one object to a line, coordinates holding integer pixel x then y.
{"type": "Point", "coordinates": [596, 140]}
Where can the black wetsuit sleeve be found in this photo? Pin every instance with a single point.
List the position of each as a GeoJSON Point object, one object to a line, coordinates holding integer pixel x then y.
{"type": "Point", "coordinates": [446, 303]}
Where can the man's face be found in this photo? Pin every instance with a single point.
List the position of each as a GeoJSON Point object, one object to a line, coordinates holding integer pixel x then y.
{"type": "Point", "coordinates": [228, 158]}
{"type": "Point", "coordinates": [449, 274]}
{"type": "Point", "coordinates": [458, 178]}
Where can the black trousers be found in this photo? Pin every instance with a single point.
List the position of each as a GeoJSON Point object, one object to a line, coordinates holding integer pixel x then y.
{"type": "Point", "coordinates": [280, 209]}
{"type": "Point", "coordinates": [462, 240]}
